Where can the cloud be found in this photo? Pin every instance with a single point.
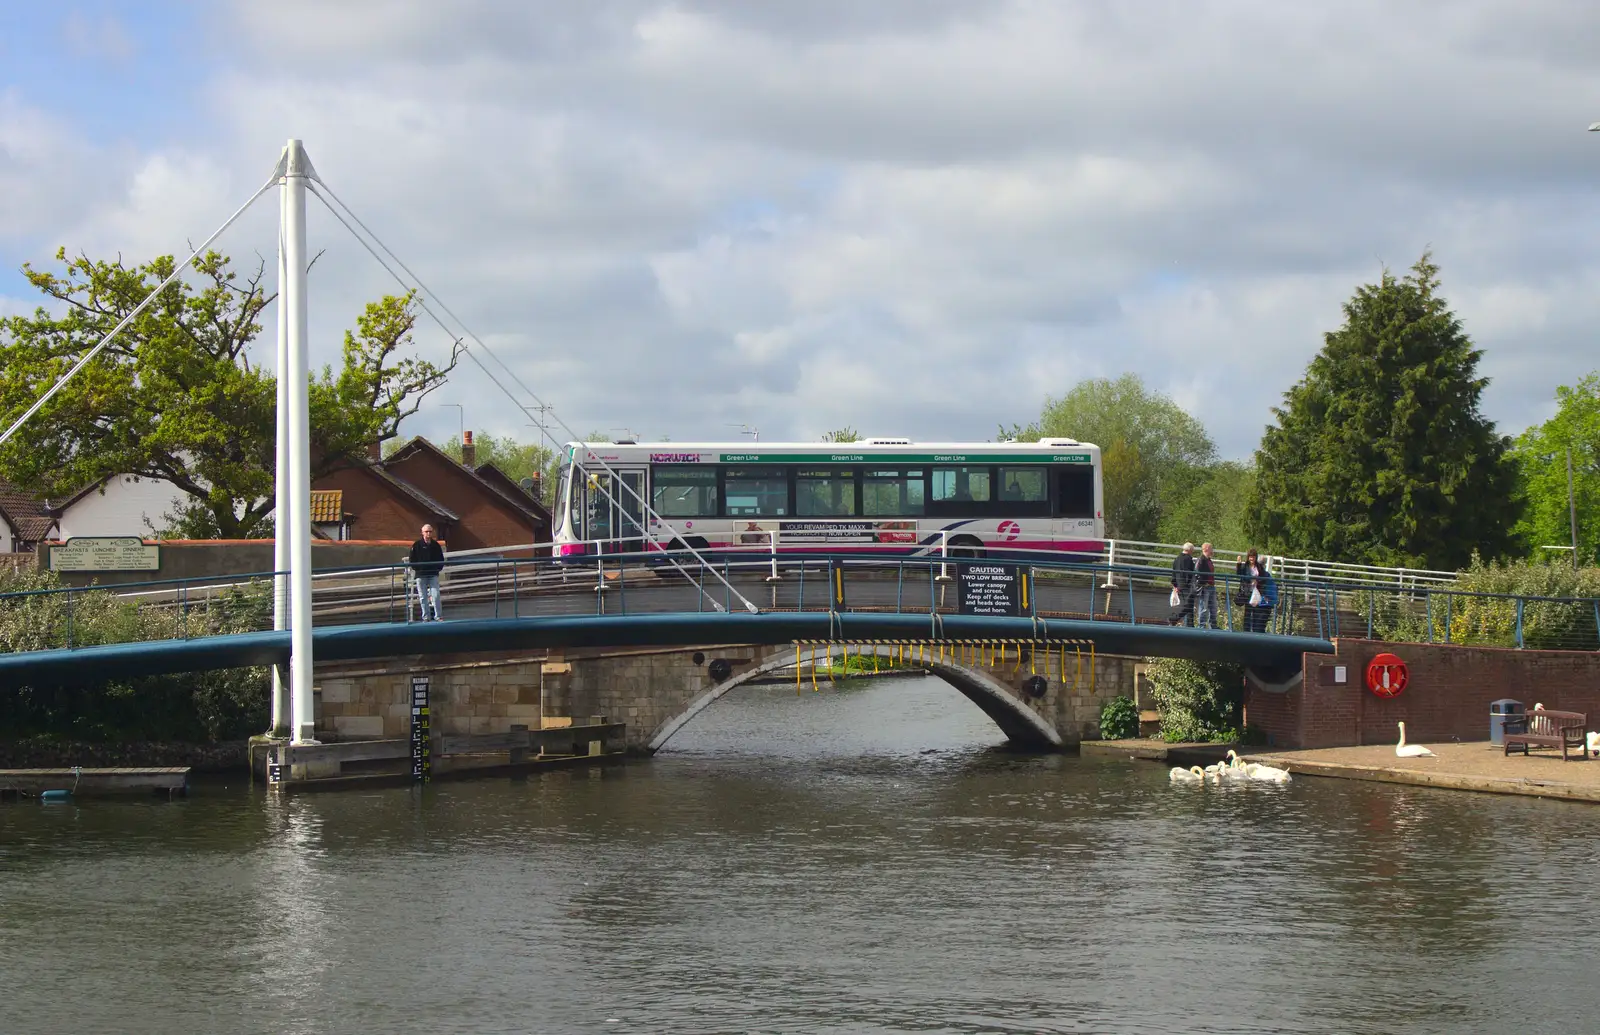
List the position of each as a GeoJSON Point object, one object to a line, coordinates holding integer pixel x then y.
{"type": "Point", "coordinates": [98, 37]}
{"type": "Point", "coordinates": [910, 217]}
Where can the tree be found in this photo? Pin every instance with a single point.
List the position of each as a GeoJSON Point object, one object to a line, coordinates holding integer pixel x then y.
{"type": "Point", "coordinates": [177, 397]}
{"type": "Point", "coordinates": [1213, 509]}
{"type": "Point", "coordinates": [1541, 455]}
{"type": "Point", "coordinates": [1380, 454]}
{"type": "Point", "coordinates": [844, 434]}
{"type": "Point", "coordinates": [1152, 451]}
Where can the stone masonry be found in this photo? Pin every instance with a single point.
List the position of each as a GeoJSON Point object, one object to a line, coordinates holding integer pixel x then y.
{"type": "Point", "coordinates": [648, 688]}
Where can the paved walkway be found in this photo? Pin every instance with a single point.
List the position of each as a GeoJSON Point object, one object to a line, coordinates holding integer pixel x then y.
{"type": "Point", "coordinates": [1470, 767]}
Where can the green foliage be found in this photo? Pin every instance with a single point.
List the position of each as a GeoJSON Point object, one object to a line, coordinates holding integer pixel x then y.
{"type": "Point", "coordinates": [1541, 456]}
{"type": "Point", "coordinates": [1199, 700]}
{"type": "Point", "coordinates": [1545, 624]}
{"type": "Point", "coordinates": [1380, 455]}
{"type": "Point", "coordinates": [193, 707]}
{"type": "Point", "coordinates": [1119, 719]}
{"type": "Point", "coordinates": [177, 396]}
{"type": "Point", "coordinates": [1153, 452]}
{"type": "Point", "coordinates": [844, 434]}
{"type": "Point", "coordinates": [1212, 511]}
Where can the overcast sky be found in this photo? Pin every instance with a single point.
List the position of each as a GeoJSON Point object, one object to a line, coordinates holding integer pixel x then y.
{"type": "Point", "coordinates": [913, 217]}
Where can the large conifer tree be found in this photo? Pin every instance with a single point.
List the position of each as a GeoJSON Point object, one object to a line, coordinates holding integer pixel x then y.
{"type": "Point", "coordinates": [1380, 454]}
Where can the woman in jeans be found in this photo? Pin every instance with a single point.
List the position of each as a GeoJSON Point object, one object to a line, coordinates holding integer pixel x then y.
{"type": "Point", "coordinates": [1253, 575]}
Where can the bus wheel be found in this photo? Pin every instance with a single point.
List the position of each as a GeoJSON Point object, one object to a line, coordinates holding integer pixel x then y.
{"type": "Point", "coordinates": [967, 546]}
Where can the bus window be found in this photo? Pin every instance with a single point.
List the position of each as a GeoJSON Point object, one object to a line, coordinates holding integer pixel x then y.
{"type": "Point", "coordinates": [686, 491]}
{"type": "Point", "coordinates": [825, 493]}
{"type": "Point", "coordinates": [961, 485]}
{"type": "Point", "coordinates": [756, 492]}
{"type": "Point", "coordinates": [1075, 491]}
{"type": "Point", "coordinates": [893, 493]}
{"type": "Point", "coordinates": [1024, 485]}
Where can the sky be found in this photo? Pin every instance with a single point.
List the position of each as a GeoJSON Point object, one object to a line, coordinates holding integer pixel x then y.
{"type": "Point", "coordinates": [707, 218]}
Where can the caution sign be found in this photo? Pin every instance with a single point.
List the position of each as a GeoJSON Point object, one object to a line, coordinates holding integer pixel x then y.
{"type": "Point", "coordinates": [992, 589]}
{"type": "Point", "coordinates": [421, 742]}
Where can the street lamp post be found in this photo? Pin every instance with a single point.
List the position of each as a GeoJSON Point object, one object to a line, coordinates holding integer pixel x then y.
{"type": "Point", "coordinates": [461, 421]}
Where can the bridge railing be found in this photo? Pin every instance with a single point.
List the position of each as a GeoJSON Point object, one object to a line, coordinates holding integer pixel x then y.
{"type": "Point", "coordinates": [1083, 588]}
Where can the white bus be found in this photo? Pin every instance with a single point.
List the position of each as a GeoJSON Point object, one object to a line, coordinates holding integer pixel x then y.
{"type": "Point", "coordinates": [880, 495]}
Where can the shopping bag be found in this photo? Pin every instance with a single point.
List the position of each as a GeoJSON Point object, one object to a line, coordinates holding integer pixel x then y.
{"type": "Point", "coordinates": [1256, 599]}
{"type": "Point", "coordinates": [1177, 600]}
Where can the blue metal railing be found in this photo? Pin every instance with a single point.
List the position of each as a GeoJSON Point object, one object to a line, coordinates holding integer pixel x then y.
{"type": "Point", "coordinates": [655, 582]}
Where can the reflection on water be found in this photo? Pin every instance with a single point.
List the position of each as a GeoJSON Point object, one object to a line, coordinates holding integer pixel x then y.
{"type": "Point", "coordinates": [857, 860]}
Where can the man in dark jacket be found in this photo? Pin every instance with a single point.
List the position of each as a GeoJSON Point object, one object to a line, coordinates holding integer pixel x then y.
{"type": "Point", "coordinates": [1183, 582]}
{"type": "Point", "coordinates": [427, 558]}
{"type": "Point", "coordinates": [1205, 570]}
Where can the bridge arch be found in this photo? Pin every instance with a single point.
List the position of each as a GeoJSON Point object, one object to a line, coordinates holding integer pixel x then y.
{"type": "Point", "coordinates": [1022, 725]}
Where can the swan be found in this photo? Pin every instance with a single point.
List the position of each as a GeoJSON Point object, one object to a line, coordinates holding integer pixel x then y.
{"type": "Point", "coordinates": [1266, 773]}
{"type": "Point", "coordinates": [1192, 775]}
{"type": "Point", "coordinates": [1404, 750]}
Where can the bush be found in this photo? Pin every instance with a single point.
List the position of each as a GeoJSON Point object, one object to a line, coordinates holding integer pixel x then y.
{"type": "Point", "coordinates": [1119, 719]}
{"type": "Point", "coordinates": [1199, 700]}
{"type": "Point", "coordinates": [1491, 620]}
{"type": "Point", "coordinates": [227, 704]}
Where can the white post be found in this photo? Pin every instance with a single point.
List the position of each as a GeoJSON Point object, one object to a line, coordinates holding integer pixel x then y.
{"type": "Point", "coordinates": [298, 372]}
{"type": "Point", "coordinates": [772, 540]}
{"type": "Point", "coordinates": [281, 717]}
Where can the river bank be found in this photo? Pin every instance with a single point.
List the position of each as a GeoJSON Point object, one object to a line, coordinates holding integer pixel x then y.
{"type": "Point", "coordinates": [1473, 766]}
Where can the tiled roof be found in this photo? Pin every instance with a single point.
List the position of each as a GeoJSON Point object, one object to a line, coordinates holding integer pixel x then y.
{"type": "Point", "coordinates": [327, 506]}
{"type": "Point", "coordinates": [514, 496]}
{"type": "Point", "coordinates": [25, 513]}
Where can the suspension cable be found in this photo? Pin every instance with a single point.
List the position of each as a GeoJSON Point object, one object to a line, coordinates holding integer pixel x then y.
{"type": "Point", "coordinates": [177, 272]}
{"type": "Point", "coordinates": [616, 478]}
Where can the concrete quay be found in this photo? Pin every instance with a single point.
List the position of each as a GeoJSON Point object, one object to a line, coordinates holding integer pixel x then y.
{"type": "Point", "coordinates": [1472, 766]}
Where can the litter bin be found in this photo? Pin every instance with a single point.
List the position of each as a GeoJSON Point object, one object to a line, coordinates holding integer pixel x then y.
{"type": "Point", "coordinates": [1499, 712]}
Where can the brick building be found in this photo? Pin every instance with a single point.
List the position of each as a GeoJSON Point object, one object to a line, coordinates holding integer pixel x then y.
{"type": "Point", "coordinates": [471, 508]}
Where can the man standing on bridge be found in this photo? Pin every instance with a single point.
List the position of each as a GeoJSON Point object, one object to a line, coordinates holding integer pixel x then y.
{"type": "Point", "coordinates": [1183, 580]}
{"type": "Point", "coordinates": [1206, 588]}
{"type": "Point", "coordinates": [427, 558]}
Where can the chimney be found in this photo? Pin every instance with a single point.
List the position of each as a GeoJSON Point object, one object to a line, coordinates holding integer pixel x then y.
{"type": "Point", "coordinates": [469, 452]}
{"type": "Point", "coordinates": [375, 451]}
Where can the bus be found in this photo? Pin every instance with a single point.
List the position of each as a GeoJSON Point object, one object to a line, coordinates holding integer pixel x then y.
{"type": "Point", "coordinates": [879, 495]}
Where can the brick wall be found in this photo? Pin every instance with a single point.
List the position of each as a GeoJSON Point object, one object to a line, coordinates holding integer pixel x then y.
{"type": "Point", "coordinates": [1447, 696]}
{"type": "Point", "coordinates": [381, 511]}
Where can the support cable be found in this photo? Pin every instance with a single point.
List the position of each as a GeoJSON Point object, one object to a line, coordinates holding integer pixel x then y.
{"type": "Point", "coordinates": [421, 288]}
{"type": "Point", "coordinates": [177, 272]}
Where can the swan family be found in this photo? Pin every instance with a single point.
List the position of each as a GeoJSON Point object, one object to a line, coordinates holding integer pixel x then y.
{"type": "Point", "coordinates": [1231, 770]}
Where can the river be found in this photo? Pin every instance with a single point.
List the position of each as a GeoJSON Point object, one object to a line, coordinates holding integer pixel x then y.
{"type": "Point", "coordinates": [860, 860]}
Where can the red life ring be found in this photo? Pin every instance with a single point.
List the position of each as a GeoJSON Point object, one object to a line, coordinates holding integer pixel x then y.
{"type": "Point", "coordinates": [1387, 675]}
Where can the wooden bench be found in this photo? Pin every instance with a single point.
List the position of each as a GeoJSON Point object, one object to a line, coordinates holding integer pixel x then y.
{"type": "Point", "coordinates": [1565, 730]}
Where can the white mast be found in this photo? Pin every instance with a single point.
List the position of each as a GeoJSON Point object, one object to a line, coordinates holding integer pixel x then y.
{"type": "Point", "coordinates": [297, 371]}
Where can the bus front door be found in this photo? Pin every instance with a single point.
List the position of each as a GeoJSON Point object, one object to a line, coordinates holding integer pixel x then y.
{"type": "Point", "coordinates": [614, 511]}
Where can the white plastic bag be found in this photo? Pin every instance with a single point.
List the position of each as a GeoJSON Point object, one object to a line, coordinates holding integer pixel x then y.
{"type": "Point", "coordinates": [1177, 601]}
{"type": "Point", "coordinates": [1256, 599]}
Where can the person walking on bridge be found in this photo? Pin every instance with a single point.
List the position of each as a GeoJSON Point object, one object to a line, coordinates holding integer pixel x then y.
{"type": "Point", "coordinates": [1205, 585]}
{"type": "Point", "coordinates": [1254, 584]}
{"type": "Point", "coordinates": [1183, 576]}
{"type": "Point", "coordinates": [427, 558]}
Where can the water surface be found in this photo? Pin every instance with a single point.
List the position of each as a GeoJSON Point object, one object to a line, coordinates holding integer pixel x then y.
{"type": "Point", "coordinates": [860, 861]}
